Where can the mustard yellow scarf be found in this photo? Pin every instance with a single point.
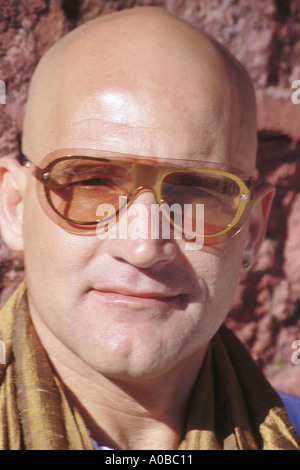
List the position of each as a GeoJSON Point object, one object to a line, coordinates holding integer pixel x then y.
{"type": "Point", "coordinates": [232, 407]}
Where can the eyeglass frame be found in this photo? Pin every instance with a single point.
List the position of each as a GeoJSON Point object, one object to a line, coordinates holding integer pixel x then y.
{"type": "Point", "coordinates": [42, 173]}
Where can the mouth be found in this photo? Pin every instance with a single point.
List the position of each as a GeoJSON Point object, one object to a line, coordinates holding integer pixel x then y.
{"type": "Point", "coordinates": [141, 300]}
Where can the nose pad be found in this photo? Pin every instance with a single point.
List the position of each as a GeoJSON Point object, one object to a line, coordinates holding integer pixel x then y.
{"type": "Point", "coordinates": [133, 204]}
{"type": "Point", "coordinates": [145, 178]}
{"type": "Point", "coordinates": [144, 189]}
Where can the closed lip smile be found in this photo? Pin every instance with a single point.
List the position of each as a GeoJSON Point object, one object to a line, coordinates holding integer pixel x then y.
{"type": "Point", "coordinates": [140, 298]}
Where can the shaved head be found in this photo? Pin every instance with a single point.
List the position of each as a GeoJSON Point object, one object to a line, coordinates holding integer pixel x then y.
{"type": "Point", "coordinates": [131, 70]}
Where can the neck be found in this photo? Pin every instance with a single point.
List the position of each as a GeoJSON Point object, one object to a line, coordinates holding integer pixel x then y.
{"type": "Point", "coordinates": [133, 415]}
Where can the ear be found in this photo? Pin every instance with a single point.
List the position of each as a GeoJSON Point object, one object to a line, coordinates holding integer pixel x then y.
{"type": "Point", "coordinates": [262, 201]}
{"type": "Point", "coordinates": [12, 190]}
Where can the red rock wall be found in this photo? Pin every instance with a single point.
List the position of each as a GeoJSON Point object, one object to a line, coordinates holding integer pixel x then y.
{"type": "Point", "coordinates": [265, 36]}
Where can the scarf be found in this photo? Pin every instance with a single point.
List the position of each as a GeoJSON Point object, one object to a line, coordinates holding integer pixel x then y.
{"type": "Point", "coordinates": [232, 405]}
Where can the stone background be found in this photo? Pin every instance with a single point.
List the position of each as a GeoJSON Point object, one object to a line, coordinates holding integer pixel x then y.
{"type": "Point", "coordinates": [265, 36]}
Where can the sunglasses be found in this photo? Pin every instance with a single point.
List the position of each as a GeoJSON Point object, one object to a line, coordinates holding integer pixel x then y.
{"type": "Point", "coordinates": [72, 183]}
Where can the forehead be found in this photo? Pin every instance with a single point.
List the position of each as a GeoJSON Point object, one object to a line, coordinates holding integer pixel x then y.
{"type": "Point", "coordinates": [175, 94]}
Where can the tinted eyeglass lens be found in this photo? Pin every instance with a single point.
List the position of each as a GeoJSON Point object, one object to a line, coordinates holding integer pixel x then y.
{"type": "Point", "coordinates": [219, 194]}
{"type": "Point", "coordinates": [77, 187]}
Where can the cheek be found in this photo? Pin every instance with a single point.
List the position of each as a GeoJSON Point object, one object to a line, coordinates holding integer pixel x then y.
{"type": "Point", "coordinates": [54, 262]}
{"type": "Point", "coordinates": [219, 267]}
{"type": "Point", "coordinates": [51, 255]}
{"type": "Point", "coordinates": [41, 244]}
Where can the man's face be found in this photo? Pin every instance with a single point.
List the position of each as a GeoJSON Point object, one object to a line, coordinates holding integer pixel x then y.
{"type": "Point", "coordinates": [134, 309]}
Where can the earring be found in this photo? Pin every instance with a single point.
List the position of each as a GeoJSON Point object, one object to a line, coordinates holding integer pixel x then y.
{"type": "Point", "coordinates": [246, 265]}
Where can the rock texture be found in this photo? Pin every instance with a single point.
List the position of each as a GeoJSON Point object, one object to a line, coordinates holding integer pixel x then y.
{"type": "Point", "coordinates": [265, 36]}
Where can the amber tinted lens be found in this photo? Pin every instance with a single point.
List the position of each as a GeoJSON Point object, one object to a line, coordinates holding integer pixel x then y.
{"type": "Point", "coordinates": [78, 186]}
{"type": "Point", "coordinates": [219, 194]}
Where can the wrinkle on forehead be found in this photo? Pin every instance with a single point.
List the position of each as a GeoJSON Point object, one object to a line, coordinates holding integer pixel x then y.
{"type": "Point", "coordinates": [143, 63]}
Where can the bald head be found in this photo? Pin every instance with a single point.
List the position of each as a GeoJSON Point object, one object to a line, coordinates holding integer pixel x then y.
{"type": "Point", "coordinates": [141, 69]}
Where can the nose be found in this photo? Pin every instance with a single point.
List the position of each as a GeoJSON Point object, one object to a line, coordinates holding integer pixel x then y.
{"type": "Point", "coordinates": [138, 241]}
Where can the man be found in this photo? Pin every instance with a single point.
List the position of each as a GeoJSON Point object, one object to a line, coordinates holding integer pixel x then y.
{"type": "Point", "coordinates": [116, 337]}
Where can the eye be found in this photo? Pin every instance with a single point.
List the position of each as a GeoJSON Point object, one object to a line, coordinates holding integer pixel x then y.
{"type": "Point", "coordinates": [67, 175]}
{"type": "Point", "coordinates": [188, 188]}
{"type": "Point", "coordinates": [95, 182]}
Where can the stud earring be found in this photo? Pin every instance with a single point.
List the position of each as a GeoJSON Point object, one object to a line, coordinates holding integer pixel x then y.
{"type": "Point", "coordinates": [246, 265]}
